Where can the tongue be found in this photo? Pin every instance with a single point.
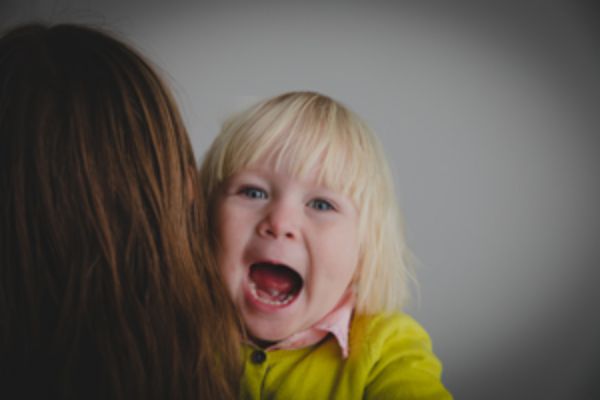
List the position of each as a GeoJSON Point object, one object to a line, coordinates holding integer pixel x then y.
{"type": "Point", "coordinates": [273, 279]}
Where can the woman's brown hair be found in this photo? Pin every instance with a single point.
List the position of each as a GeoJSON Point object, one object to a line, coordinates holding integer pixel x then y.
{"type": "Point", "coordinates": [106, 288]}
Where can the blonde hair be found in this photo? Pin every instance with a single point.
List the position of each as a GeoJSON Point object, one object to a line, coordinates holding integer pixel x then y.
{"type": "Point", "coordinates": [304, 130]}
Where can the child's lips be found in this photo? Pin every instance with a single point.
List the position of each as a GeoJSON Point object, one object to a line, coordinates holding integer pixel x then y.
{"type": "Point", "coordinates": [273, 285]}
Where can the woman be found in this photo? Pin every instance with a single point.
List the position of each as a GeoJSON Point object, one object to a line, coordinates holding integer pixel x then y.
{"type": "Point", "coordinates": [105, 289]}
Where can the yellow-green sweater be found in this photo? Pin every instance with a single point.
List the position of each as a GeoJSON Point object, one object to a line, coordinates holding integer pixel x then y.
{"type": "Point", "coordinates": [390, 358]}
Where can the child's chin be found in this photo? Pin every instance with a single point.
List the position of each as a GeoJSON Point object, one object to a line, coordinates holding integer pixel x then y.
{"type": "Point", "coordinates": [267, 337]}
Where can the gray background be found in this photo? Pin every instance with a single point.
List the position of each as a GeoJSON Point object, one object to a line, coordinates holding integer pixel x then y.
{"type": "Point", "coordinates": [489, 115]}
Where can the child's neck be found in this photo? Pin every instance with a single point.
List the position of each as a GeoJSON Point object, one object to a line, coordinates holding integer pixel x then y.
{"type": "Point", "coordinates": [263, 344]}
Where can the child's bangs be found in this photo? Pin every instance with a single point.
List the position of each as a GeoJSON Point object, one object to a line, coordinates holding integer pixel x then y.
{"type": "Point", "coordinates": [309, 141]}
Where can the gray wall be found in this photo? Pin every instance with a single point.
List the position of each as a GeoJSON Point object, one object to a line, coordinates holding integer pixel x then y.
{"type": "Point", "coordinates": [489, 115]}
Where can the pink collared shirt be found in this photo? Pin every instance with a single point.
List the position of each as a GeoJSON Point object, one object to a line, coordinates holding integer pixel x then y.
{"type": "Point", "coordinates": [337, 322]}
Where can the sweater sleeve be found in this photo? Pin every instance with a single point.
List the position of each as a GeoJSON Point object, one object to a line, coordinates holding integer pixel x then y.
{"type": "Point", "coordinates": [403, 364]}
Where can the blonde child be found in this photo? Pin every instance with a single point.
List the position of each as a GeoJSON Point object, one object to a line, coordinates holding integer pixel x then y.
{"type": "Point", "coordinates": [307, 233]}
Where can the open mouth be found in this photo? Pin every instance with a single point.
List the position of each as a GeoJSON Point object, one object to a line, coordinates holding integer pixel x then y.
{"type": "Point", "coordinates": [274, 284]}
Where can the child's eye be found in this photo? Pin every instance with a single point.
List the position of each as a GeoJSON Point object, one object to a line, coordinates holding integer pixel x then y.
{"type": "Point", "coordinates": [321, 205]}
{"type": "Point", "coordinates": [253, 192]}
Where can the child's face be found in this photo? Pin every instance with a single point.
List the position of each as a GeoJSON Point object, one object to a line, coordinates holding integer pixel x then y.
{"type": "Point", "coordinates": [288, 249]}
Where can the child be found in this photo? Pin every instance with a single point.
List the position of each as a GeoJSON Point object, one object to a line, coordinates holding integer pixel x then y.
{"type": "Point", "coordinates": [304, 221]}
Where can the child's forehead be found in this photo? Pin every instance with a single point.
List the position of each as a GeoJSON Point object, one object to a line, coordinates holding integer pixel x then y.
{"type": "Point", "coordinates": [316, 173]}
{"type": "Point", "coordinates": [272, 164]}
{"type": "Point", "coordinates": [325, 156]}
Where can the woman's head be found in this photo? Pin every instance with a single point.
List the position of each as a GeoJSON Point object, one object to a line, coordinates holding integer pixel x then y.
{"type": "Point", "coordinates": [99, 244]}
{"type": "Point", "coordinates": [311, 136]}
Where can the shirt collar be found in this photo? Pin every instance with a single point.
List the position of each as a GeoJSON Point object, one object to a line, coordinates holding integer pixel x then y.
{"type": "Point", "coordinates": [336, 322]}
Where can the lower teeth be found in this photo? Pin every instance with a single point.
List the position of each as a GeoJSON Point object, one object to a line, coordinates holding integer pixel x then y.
{"type": "Point", "coordinates": [285, 300]}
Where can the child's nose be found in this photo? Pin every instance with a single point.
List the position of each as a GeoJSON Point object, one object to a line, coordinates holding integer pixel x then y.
{"type": "Point", "coordinates": [279, 222]}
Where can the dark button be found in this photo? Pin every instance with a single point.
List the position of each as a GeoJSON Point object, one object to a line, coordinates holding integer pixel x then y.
{"type": "Point", "coordinates": [258, 356]}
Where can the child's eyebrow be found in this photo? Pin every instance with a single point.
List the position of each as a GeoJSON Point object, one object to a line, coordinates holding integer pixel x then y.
{"type": "Point", "coordinates": [242, 175]}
